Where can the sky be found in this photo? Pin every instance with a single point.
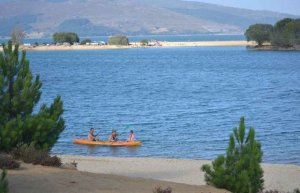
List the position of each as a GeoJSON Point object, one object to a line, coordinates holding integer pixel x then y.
{"type": "Point", "coordinates": [283, 6]}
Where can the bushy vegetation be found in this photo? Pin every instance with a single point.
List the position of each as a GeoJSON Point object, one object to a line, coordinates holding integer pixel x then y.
{"type": "Point", "coordinates": [260, 33]}
{"type": "Point", "coordinates": [69, 37]}
{"type": "Point", "coordinates": [162, 190]}
{"type": "Point", "coordinates": [85, 41]}
{"type": "Point", "coordinates": [7, 162]}
{"type": "Point", "coordinates": [118, 40]}
{"type": "Point", "coordinates": [238, 171]}
{"type": "Point", "coordinates": [3, 182]}
{"type": "Point", "coordinates": [19, 94]}
{"type": "Point", "coordinates": [285, 33]}
{"type": "Point", "coordinates": [29, 154]}
{"type": "Point", "coordinates": [144, 42]}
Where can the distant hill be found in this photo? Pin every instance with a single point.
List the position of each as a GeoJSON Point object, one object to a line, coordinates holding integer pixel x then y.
{"type": "Point", "coordinates": [41, 18]}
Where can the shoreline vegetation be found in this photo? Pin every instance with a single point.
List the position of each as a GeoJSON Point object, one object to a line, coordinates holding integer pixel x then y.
{"type": "Point", "coordinates": [283, 36]}
{"type": "Point", "coordinates": [268, 47]}
{"type": "Point", "coordinates": [112, 174]}
{"type": "Point", "coordinates": [161, 44]}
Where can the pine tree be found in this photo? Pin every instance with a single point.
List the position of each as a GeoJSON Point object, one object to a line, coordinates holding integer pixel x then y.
{"type": "Point", "coordinates": [239, 171]}
{"type": "Point", "coordinates": [19, 94]}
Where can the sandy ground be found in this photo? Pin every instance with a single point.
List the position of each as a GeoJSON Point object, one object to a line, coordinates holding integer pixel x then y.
{"type": "Point", "coordinates": [38, 179]}
{"type": "Point", "coordinates": [277, 176]}
{"type": "Point", "coordinates": [136, 45]}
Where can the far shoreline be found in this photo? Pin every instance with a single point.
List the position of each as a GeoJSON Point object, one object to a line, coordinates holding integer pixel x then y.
{"type": "Point", "coordinates": [160, 44]}
{"type": "Point", "coordinates": [272, 48]}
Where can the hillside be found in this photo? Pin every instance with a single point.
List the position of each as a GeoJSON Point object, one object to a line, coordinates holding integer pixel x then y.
{"type": "Point", "coordinates": [41, 18]}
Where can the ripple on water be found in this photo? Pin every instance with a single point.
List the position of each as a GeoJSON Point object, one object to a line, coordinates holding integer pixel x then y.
{"type": "Point", "coordinates": [182, 103]}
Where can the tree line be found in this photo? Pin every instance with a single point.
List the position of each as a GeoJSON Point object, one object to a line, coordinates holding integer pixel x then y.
{"type": "Point", "coordinates": [71, 38]}
{"type": "Point", "coordinates": [285, 33]}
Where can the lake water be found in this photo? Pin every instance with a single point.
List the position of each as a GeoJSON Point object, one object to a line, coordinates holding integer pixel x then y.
{"type": "Point", "coordinates": [181, 102]}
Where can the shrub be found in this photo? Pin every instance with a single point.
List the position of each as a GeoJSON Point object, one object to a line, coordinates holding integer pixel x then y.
{"type": "Point", "coordinates": [61, 37]}
{"type": "Point", "coordinates": [3, 182]}
{"type": "Point", "coordinates": [26, 153]}
{"type": "Point", "coordinates": [83, 42]}
{"type": "Point", "coordinates": [51, 161]}
{"type": "Point", "coordinates": [29, 154]}
{"type": "Point", "coordinates": [7, 162]}
{"type": "Point", "coordinates": [144, 42]}
{"type": "Point", "coordinates": [118, 40]}
{"type": "Point", "coordinates": [161, 190]}
{"type": "Point", "coordinates": [239, 171]}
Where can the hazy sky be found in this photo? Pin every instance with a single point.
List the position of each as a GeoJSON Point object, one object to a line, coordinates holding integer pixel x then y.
{"type": "Point", "coordinates": [283, 6]}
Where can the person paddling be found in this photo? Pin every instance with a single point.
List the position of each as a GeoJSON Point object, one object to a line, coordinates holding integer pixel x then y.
{"type": "Point", "coordinates": [131, 136]}
{"type": "Point", "coordinates": [91, 135]}
{"type": "Point", "coordinates": [113, 136]}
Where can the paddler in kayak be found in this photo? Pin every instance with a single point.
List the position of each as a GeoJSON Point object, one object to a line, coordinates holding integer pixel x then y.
{"type": "Point", "coordinates": [131, 136]}
{"type": "Point", "coordinates": [113, 136]}
{"type": "Point", "coordinates": [91, 135]}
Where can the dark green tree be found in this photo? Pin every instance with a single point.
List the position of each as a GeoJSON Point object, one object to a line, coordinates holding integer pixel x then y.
{"type": "Point", "coordinates": [118, 40]}
{"type": "Point", "coordinates": [259, 32]}
{"type": "Point", "coordinates": [239, 171]}
{"type": "Point", "coordinates": [85, 41]}
{"type": "Point", "coordinates": [69, 37]}
{"type": "Point", "coordinates": [19, 94]}
{"type": "Point", "coordinates": [284, 33]}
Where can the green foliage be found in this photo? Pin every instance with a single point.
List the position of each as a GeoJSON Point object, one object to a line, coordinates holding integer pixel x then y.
{"type": "Point", "coordinates": [239, 171]}
{"type": "Point", "coordinates": [144, 42]}
{"type": "Point", "coordinates": [162, 190]}
{"type": "Point", "coordinates": [3, 182]}
{"type": "Point", "coordinates": [69, 37]}
{"type": "Point", "coordinates": [85, 41]}
{"type": "Point", "coordinates": [118, 40]}
{"type": "Point", "coordinates": [259, 32]}
{"type": "Point", "coordinates": [285, 33]}
{"type": "Point", "coordinates": [19, 94]}
{"type": "Point", "coordinates": [7, 162]}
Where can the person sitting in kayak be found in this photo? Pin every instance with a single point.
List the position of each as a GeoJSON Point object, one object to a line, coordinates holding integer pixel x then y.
{"type": "Point", "coordinates": [131, 136]}
{"type": "Point", "coordinates": [113, 136]}
{"type": "Point", "coordinates": [91, 135]}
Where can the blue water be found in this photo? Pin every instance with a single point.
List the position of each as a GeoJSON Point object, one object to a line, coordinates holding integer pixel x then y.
{"type": "Point", "coordinates": [169, 38]}
{"type": "Point", "coordinates": [181, 102]}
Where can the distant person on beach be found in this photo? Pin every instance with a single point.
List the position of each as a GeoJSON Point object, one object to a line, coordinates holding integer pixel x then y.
{"type": "Point", "coordinates": [113, 136]}
{"type": "Point", "coordinates": [131, 136]}
{"type": "Point", "coordinates": [91, 135]}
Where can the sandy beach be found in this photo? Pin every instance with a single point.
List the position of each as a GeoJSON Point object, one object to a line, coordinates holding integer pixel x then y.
{"type": "Point", "coordinates": [129, 175]}
{"type": "Point", "coordinates": [282, 177]}
{"type": "Point", "coordinates": [37, 179]}
{"type": "Point", "coordinates": [135, 45]}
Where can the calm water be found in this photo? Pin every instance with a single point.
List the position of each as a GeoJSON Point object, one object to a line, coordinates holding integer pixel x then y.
{"type": "Point", "coordinates": [181, 102]}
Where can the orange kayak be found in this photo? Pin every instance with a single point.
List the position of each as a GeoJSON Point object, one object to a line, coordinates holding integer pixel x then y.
{"type": "Point", "coordinates": [107, 143]}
